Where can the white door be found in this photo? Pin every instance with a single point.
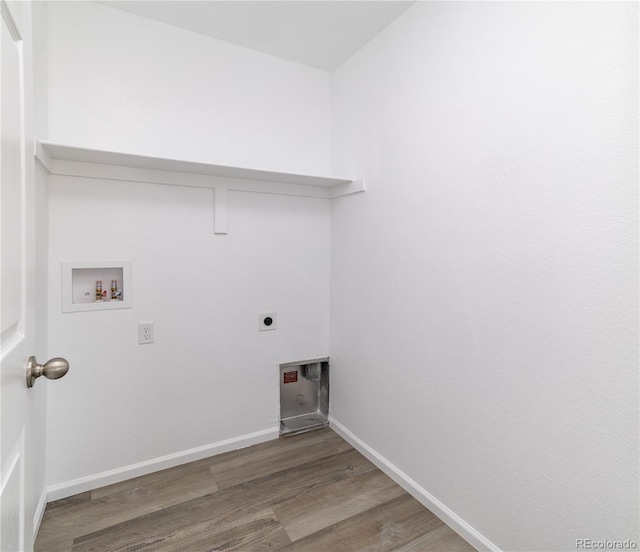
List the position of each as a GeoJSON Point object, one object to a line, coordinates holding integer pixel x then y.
{"type": "Point", "coordinates": [17, 254]}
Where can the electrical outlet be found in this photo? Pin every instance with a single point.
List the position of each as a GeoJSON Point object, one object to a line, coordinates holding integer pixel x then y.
{"type": "Point", "coordinates": [267, 321]}
{"type": "Point", "coordinates": [145, 333]}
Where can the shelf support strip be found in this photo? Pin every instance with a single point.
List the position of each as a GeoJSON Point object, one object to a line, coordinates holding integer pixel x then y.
{"type": "Point", "coordinates": [221, 197]}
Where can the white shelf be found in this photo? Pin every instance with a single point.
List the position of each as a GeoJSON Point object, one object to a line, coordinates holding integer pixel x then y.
{"type": "Point", "coordinates": [66, 160]}
{"type": "Point", "coordinates": [59, 152]}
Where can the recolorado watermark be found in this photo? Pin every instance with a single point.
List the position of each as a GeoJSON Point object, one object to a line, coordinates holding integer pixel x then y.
{"type": "Point", "coordinates": [606, 544]}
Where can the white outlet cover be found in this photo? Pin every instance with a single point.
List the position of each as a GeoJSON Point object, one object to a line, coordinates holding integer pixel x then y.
{"type": "Point", "coordinates": [145, 333]}
{"type": "Point", "coordinates": [267, 321]}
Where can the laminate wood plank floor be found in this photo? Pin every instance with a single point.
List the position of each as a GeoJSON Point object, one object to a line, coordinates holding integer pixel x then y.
{"type": "Point", "coordinates": [306, 493]}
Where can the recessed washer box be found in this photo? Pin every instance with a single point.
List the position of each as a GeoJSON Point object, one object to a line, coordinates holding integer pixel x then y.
{"type": "Point", "coordinates": [79, 285]}
{"type": "Point", "coordinates": [304, 395]}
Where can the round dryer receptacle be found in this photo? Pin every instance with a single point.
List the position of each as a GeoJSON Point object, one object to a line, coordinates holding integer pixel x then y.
{"type": "Point", "coordinates": [267, 321]}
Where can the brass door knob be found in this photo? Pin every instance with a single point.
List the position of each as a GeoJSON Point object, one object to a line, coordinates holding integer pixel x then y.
{"type": "Point", "coordinates": [52, 369]}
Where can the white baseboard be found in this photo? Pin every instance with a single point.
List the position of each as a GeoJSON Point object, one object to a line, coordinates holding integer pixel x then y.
{"type": "Point", "coordinates": [83, 484]}
{"type": "Point", "coordinates": [39, 513]}
{"type": "Point", "coordinates": [449, 517]}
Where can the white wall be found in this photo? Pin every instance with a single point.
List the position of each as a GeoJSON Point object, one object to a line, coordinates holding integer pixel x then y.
{"type": "Point", "coordinates": [210, 375]}
{"type": "Point", "coordinates": [120, 82]}
{"type": "Point", "coordinates": [125, 83]}
{"type": "Point", "coordinates": [484, 327]}
{"type": "Point", "coordinates": [483, 290]}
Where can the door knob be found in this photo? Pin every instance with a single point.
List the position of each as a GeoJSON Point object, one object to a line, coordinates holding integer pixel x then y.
{"type": "Point", "coordinates": [52, 369]}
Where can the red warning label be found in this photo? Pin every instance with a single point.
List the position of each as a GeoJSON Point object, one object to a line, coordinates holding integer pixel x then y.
{"type": "Point", "coordinates": [290, 377]}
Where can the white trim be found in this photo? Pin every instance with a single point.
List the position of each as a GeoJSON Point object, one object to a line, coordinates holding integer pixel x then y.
{"type": "Point", "coordinates": [43, 156]}
{"type": "Point", "coordinates": [90, 482]}
{"type": "Point", "coordinates": [39, 513]}
{"type": "Point", "coordinates": [10, 21]}
{"type": "Point", "coordinates": [449, 517]}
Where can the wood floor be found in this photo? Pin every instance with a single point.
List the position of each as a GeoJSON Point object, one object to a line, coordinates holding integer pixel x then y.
{"type": "Point", "coordinates": [311, 492]}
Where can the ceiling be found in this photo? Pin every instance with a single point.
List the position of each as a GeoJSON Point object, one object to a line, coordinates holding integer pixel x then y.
{"type": "Point", "coordinates": [322, 34]}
